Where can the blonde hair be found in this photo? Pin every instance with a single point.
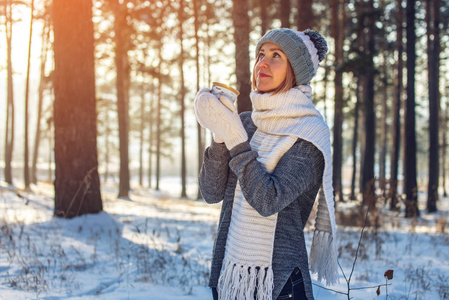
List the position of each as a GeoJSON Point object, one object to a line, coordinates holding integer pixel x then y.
{"type": "Point", "coordinates": [288, 83]}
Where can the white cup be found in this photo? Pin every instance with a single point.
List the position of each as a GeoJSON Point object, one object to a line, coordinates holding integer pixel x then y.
{"type": "Point", "coordinates": [221, 89]}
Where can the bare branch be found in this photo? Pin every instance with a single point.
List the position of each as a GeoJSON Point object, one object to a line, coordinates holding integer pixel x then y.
{"type": "Point", "coordinates": [344, 275]}
{"type": "Point", "coordinates": [361, 235]}
{"type": "Point", "coordinates": [370, 287]}
{"type": "Point", "coordinates": [335, 291]}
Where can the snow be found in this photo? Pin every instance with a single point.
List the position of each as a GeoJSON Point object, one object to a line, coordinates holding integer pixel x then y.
{"type": "Point", "coordinates": [156, 246]}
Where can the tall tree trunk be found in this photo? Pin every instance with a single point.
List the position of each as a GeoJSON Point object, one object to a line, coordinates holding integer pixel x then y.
{"type": "Point", "coordinates": [208, 60]}
{"type": "Point", "coordinates": [142, 124]}
{"type": "Point", "coordinates": [199, 129]}
{"type": "Point", "coordinates": [107, 145]}
{"type": "Point", "coordinates": [182, 96]}
{"type": "Point", "coordinates": [383, 123]}
{"type": "Point", "coordinates": [355, 140]}
{"type": "Point", "coordinates": [37, 136]}
{"type": "Point", "coordinates": [264, 20]}
{"type": "Point", "coordinates": [50, 148]}
{"type": "Point", "coordinates": [285, 13]}
{"type": "Point", "coordinates": [361, 81]}
{"type": "Point", "coordinates": [305, 15]}
{"type": "Point", "coordinates": [337, 34]}
{"type": "Point", "coordinates": [444, 146]}
{"type": "Point", "coordinates": [77, 184]}
{"type": "Point", "coordinates": [241, 22]}
{"type": "Point", "coordinates": [410, 184]}
{"type": "Point", "coordinates": [209, 9]}
{"type": "Point", "coordinates": [9, 133]}
{"type": "Point", "coordinates": [151, 137]}
{"type": "Point", "coordinates": [122, 85]}
{"type": "Point", "coordinates": [433, 55]}
{"type": "Point", "coordinates": [368, 186]}
{"type": "Point", "coordinates": [158, 118]}
{"type": "Point", "coordinates": [325, 81]}
{"type": "Point", "coordinates": [396, 118]}
{"type": "Point", "coordinates": [26, 168]}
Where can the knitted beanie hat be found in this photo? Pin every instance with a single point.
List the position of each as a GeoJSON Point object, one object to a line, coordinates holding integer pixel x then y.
{"type": "Point", "coordinates": [304, 50]}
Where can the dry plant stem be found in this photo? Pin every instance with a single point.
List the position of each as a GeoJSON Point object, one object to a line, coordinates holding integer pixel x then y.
{"type": "Point", "coordinates": [358, 288]}
{"type": "Point", "coordinates": [348, 280]}
{"type": "Point", "coordinates": [344, 275]}
{"type": "Point", "coordinates": [371, 287]}
{"type": "Point", "coordinates": [335, 291]}
{"type": "Point", "coordinates": [86, 181]}
{"type": "Point", "coordinates": [360, 240]}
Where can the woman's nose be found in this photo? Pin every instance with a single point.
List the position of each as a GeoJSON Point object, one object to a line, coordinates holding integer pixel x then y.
{"type": "Point", "coordinates": [263, 63]}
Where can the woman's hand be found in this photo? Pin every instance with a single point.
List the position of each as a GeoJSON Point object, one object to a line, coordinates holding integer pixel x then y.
{"type": "Point", "coordinates": [220, 117]}
{"type": "Point", "coordinates": [216, 138]}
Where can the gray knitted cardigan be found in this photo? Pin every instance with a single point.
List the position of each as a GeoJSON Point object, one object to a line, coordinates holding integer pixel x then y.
{"type": "Point", "coordinates": [289, 190]}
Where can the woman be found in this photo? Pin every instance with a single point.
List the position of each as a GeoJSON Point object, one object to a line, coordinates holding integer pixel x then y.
{"type": "Point", "coordinates": [267, 166]}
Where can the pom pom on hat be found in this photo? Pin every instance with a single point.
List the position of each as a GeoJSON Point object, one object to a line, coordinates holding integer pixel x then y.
{"type": "Point", "coordinates": [319, 43]}
{"type": "Point", "coordinates": [304, 50]}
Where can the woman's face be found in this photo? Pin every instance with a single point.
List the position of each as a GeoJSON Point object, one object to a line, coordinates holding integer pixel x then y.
{"type": "Point", "coordinates": [271, 67]}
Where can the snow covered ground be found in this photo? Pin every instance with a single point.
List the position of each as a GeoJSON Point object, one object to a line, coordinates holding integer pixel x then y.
{"type": "Point", "coordinates": [155, 246]}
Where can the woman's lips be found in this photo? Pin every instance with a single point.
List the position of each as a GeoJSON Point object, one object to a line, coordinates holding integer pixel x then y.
{"type": "Point", "coordinates": [263, 75]}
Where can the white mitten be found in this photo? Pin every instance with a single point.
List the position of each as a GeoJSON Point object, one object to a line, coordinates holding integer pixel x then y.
{"type": "Point", "coordinates": [216, 138]}
{"type": "Point", "coordinates": [224, 122]}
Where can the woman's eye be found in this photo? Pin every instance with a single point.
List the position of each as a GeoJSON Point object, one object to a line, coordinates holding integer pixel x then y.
{"type": "Point", "coordinates": [261, 55]}
{"type": "Point", "coordinates": [275, 54]}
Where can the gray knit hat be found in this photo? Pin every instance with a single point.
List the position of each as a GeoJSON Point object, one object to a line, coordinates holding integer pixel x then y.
{"type": "Point", "coordinates": [304, 50]}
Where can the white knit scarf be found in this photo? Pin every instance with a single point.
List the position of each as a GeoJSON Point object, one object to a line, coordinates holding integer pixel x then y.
{"type": "Point", "coordinates": [280, 119]}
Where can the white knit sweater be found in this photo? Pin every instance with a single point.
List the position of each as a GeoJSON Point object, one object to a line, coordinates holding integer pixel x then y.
{"type": "Point", "coordinates": [280, 120]}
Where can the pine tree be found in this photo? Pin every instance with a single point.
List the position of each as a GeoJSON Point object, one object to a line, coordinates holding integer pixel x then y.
{"type": "Point", "coordinates": [241, 22]}
{"type": "Point", "coordinates": [410, 183]}
{"type": "Point", "coordinates": [305, 15]}
{"type": "Point", "coordinates": [42, 83]}
{"type": "Point", "coordinates": [9, 135]}
{"type": "Point", "coordinates": [368, 101]}
{"type": "Point", "coordinates": [27, 93]}
{"type": "Point", "coordinates": [396, 119]}
{"type": "Point", "coordinates": [337, 11]}
{"type": "Point", "coordinates": [433, 59]}
{"type": "Point", "coordinates": [122, 84]}
{"type": "Point", "coordinates": [77, 185]}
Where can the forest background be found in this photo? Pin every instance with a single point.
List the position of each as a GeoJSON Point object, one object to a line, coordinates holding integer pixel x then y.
{"type": "Point", "coordinates": [96, 98]}
{"type": "Point", "coordinates": [382, 89]}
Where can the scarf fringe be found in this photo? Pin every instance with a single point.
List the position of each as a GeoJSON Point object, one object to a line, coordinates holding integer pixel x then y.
{"type": "Point", "coordinates": [239, 282]}
{"type": "Point", "coordinates": [323, 259]}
